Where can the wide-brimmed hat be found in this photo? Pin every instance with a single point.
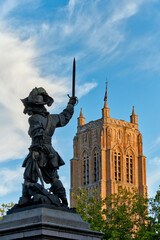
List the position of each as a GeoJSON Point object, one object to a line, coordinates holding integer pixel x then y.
{"type": "Point", "coordinates": [38, 96]}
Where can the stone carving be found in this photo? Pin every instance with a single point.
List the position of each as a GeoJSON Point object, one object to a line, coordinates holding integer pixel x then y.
{"type": "Point", "coordinates": [91, 125]}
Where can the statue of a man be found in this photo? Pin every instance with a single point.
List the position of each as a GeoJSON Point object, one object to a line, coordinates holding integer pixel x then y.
{"type": "Point", "coordinates": [43, 161]}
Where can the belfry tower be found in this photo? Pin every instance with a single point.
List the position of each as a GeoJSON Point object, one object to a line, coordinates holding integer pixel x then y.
{"type": "Point", "coordinates": [108, 153]}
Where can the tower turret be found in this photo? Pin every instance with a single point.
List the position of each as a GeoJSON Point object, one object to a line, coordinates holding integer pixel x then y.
{"type": "Point", "coordinates": [134, 117]}
{"type": "Point", "coordinates": [81, 119]}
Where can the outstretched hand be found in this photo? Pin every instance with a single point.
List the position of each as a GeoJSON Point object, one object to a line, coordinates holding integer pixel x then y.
{"type": "Point", "coordinates": [73, 100]}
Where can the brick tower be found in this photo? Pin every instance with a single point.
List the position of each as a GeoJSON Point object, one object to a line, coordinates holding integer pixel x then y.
{"type": "Point", "coordinates": [108, 153]}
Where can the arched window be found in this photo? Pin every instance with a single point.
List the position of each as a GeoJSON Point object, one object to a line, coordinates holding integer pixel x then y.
{"type": "Point", "coordinates": [129, 168]}
{"type": "Point", "coordinates": [117, 166]}
{"type": "Point", "coordinates": [86, 168]}
{"type": "Point", "coordinates": [96, 166]}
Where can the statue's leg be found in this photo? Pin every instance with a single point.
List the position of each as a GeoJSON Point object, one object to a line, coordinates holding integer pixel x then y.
{"type": "Point", "coordinates": [50, 175]}
{"type": "Point", "coordinates": [30, 176]}
{"type": "Point", "coordinates": [25, 195]}
{"type": "Point", "coordinates": [58, 189]}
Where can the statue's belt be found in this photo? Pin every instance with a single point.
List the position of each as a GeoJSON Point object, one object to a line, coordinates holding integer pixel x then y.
{"type": "Point", "coordinates": [46, 140]}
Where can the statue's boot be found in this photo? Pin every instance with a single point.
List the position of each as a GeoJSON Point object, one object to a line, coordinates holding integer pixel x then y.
{"type": "Point", "coordinates": [26, 197]}
{"type": "Point", "coordinates": [58, 189]}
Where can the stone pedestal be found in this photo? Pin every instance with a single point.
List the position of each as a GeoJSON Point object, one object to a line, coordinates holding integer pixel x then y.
{"type": "Point", "coordinates": [42, 222]}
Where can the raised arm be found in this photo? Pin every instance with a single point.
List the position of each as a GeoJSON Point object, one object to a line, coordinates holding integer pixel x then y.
{"type": "Point", "coordinates": [64, 117]}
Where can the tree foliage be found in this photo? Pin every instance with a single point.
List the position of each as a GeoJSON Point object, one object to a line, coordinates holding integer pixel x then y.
{"type": "Point", "coordinates": [123, 215]}
{"type": "Point", "coordinates": [152, 230]}
{"type": "Point", "coordinates": [4, 208]}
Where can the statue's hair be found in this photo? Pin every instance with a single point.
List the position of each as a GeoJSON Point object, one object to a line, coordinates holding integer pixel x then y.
{"type": "Point", "coordinates": [31, 109]}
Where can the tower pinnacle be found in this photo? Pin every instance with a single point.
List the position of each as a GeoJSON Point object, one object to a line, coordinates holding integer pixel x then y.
{"type": "Point", "coordinates": [81, 114]}
{"type": "Point", "coordinates": [81, 119]}
{"type": "Point", "coordinates": [105, 110]}
{"type": "Point", "coordinates": [134, 117]}
{"type": "Point", "coordinates": [106, 96]}
{"type": "Point", "coordinates": [133, 111]}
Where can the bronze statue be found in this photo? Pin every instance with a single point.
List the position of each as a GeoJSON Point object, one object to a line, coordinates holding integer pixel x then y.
{"type": "Point", "coordinates": [43, 161]}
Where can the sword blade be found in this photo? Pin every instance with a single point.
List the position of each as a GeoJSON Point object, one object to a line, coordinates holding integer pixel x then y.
{"type": "Point", "coordinates": [73, 78]}
{"type": "Point", "coordinates": [39, 173]}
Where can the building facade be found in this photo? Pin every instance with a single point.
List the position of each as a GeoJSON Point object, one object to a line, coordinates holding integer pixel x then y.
{"type": "Point", "coordinates": [108, 153]}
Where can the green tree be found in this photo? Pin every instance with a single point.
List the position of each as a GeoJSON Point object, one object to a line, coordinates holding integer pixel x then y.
{"type": "Point", "coordinates": [90, 208]}
{"type": "Point", "coordinates": [4, 208]}
{"type": "Point", "coordinates": [123, 215]}
{"type": "Point", "coordinates": [151, 230]}
{"type": "Point", "coordinates": [125, 212]}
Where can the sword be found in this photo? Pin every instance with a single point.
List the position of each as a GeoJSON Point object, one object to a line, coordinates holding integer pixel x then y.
{"type": "Point", "coordinates": [35, 158]}
{"type": "Point", "coordinates": [73, 81]}
{"type": "Point", "coordinates": [73, 78]}
{"type": "Point", "coordinates": [39, 173]}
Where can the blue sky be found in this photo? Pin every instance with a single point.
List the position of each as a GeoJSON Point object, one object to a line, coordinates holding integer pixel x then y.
{"type": "Point", "coordinates": [117, 40]}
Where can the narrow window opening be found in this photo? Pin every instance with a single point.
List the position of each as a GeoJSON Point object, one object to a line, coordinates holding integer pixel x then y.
{"type": "Point", "coordinates": [96, 166]}
{"type": "Point", "coordinates": [117, 166]}
{"type": "Point", "coordinates": [86, 169]}
{"type": "Point", "coordinates": [129, 168]}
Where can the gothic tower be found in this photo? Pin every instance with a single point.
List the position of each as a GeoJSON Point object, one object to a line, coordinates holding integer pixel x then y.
{"type": "Point", "coordinates": [108, 153]}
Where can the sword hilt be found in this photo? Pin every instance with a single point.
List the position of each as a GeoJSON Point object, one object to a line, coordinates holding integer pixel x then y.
{"type": "Point", "coordinates": [76, 99]}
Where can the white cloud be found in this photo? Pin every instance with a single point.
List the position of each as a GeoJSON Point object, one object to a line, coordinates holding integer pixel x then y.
{"type": "Point", "coordinates": [65, 182]}
{"type": "Point", "coordinates": [66, 185]}
{"type": "Point", "coordinates": [153, 147]}
{"type": "Point", "coordinates": [158, 140]}
{"type": "Point", "coordinates": [6, 7]}
{"type": "Point", "coordinates": [155, 161]}
{"type": "Point", "coordinates": [144, 50]}
{"type": "Point", "coordinates": [153, 175]}
{"type": "Point", "coordinates": [153, 181]}
{"type": "Point", "coordinates": [18, 76]}
{"type": "Point", "coordinates": [85, 88]}
{"type": "Point", "coordinates": [92, 32]}
{"type": "Point", "coordinates": [125, 9]}
{"type": "Point", "coordinates": [71, 6]}
{"type": "Point", "coordinates": [10, 180]}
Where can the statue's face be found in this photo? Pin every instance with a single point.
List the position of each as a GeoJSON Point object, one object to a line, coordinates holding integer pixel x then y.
{"type": "Point", "coordinates": [39, 99]}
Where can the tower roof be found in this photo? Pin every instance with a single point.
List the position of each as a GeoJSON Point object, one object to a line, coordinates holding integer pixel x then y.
{"type": "Point", "coordinates": [106, 93]}
{"type": "Point", "coordinates": [106, 96]}
{"type": "Point", "coordinates": [133, 111]}
{"type": "Point", "coordinates": [134, 117]}
{"type": "Point", "coordinates": [105, 109]}
{"type": "Point", "coordinates": [81, 114]}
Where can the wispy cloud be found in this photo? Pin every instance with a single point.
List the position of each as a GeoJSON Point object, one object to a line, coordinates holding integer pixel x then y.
{"type": "Point", "coordinates": [153, 147]}
{"type": "Point", "coordinates": [153, 175]}
{"type": "Point", "coordinates": [153, 181]}
{"type": "Point", "coordinates": [88, 32]}
{"type": "Point", "coordinates": [155, 161]}
{"type": "Point", "coordinates": [12, 180]}
{"type": "Point", "coordinates": [85, 88]}
{"type": "Point", "coordinates": [6, 7]}
{"type": "Point", "coordinates": [44, 58]}
{"type": "Point", "coordinates": [124, 11]}
{"type": "Point", "coordinates": [19, 73]}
